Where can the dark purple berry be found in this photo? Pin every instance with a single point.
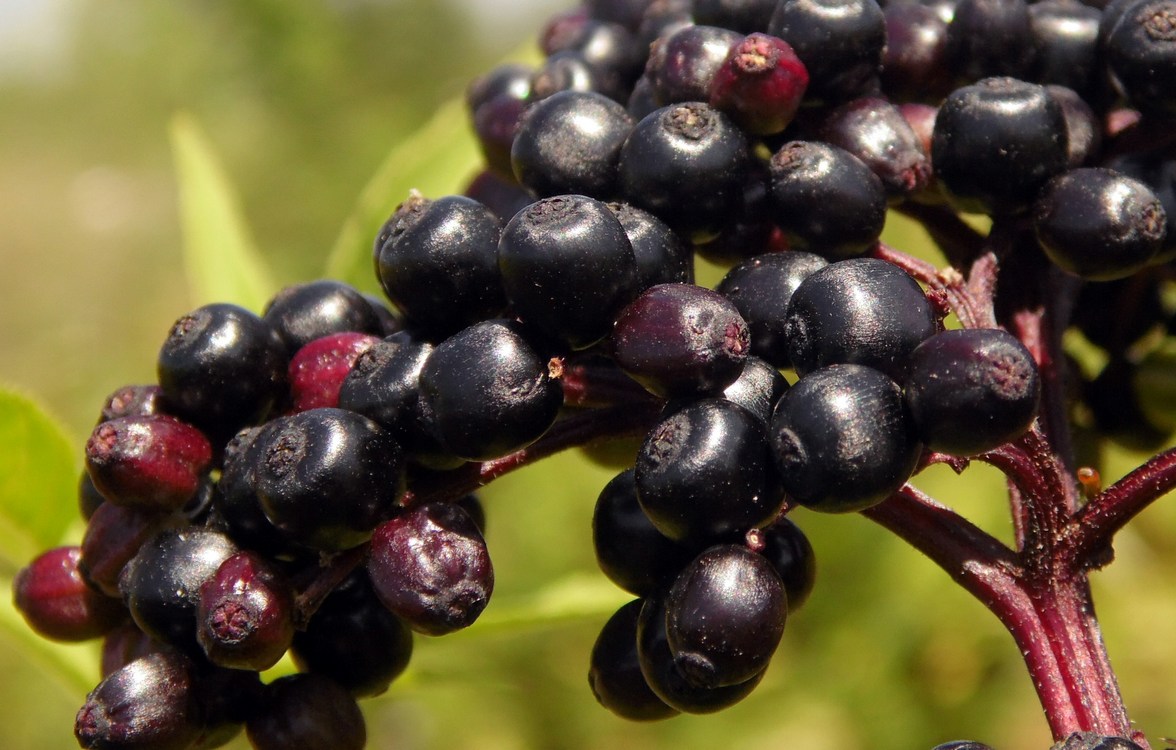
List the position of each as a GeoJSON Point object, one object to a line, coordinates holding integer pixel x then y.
{"type": "Point", "coordinates": [1099, 224]}
{"type": "Point", "coordinates": [686, 164]}
{"type": "Point", "coordinates": [971, 390]}
{"type": "Point", "coordinates": [161, 584]}
{"type": "Point", "coordinates": [487, 391]}
{"type": "Point", "coordinates": [787, 548]}
{"type": "Point", "coordinates": [327, 477]}
{"type": "Point", "coordinates": [430, 567]}
{"type": "Point", "coordinates": [843, 439]}
{"type": "Point", "coordinates": [502, 196]}
{"type": "Point", "coordinates": [996, 143]}
{"type": "Point", "coordinates": [307, 712]}
{"type": "Point", "coordinates": [570, 143]}
{"type": "Point", "coordinates": [132, 401]}
{"type": "Point", "coordinates": [1066, 35]}
{"type": "Point", "coordinates": [355, 640]}
{"type": "Point", "coordinates": [55, 600]}
{"type": "Point", "coordinates": [614, 672]}
{"type": "Point", "coordinates": [567, 267]}
{"type": "Point", "coordinates": [757, 389]}
{"type": "Point", "coordinates": [682, 66]}
{"type": "Point", "coordinates": [662, 256]}
{"type": "Point", "coordinates": [222, 368]}
{"type": "Point", "coordinates": [875, 131]}
{"type": "Point", "coordinates": [1141, 55]}
{"type": "Point", "coordinates": [840, 42]}
{"type": "Point", "coordinates": [113, 536]}
{"type": "Point", "coordinates": [666, 680]}
{"type": "Point", "coordinates": [301, 313]}
{"type": "Point", "coordinates": [761, 288]}
{"type": "Point", "coordinates": [681, 340]}
{"type": "Point", "coordinates": [705, 472]}
{"type": "Point", "coordinates": [862, 311]}
{"type": "Point", "coordinates": [245, 614]}
{"type": "Point", "coordinates": [990, 38]}
{"type": "Point", "coordinates": [914, 67]}
{"type": "Point", "coordinates": [439, 263]}
{"type": "Point", "coordinates": [825, 199]}
{"type": "Point", "coordinates": [236, 501]}
{"type": "Point", "coordinates": [147, 705]}
{"type": "Point", "coordinates": [725, 616]}
{"type": "Point", "coordinates": [629, 548]}
{"type": "Point", "coordinates": [744, 16]}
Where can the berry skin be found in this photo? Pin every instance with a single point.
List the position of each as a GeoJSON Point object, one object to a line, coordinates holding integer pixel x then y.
{"type": "Point", "coordinates": [222, 368]}
{"type": "Point", "coordinates": [487, 392]}
{"type": "Point", "coordinates": [301, 313]}
{"type": "Point", "coordinates": [439, 263]}
{"type": "Point", "coordinates": [914, 67]}
{"type": "Point", "coordinates": [825, 199]}
{"type": "Point", "coordinates": [662, 256]}
{"type": "Point", "coordinates": [996, 143]}
{"type": "Point", "coordinates": [686, 164]}
{"type": "Point", "coordinates": [629, 548]}
{"type": "Point", "coordinates": [354, 640]}
{"type": "Point", "coordinates": [661, 672]}
{"type": "Point", "coordinates": [1141, 55]}
{"type": "Point", "coordinates": [990, 38]}
{"type": "Point", "coordinates": [860, 311]}
{"type": "Point", "coordinates": [1099, 224]}
{"type": "Point", "coordinates": [760, 84]}
{"type": "Point", "coordinates": [307, 712]}
{"type": "Point", "coordinates": [148, 705]}
{"type": "Point", "coordinates": [725, 616]}
{"type": "Point", "coordinates": [328, 477]}
{"type": "Point", "coordinates": [318, 369]}
{"type": "Point", "coordinates": [843, 439]}
{"type": "Point", "coordinates": [113, 536]}
{"type": "Point", "coordinates": [567, 267]}
{"type": "Point", "coordinates": [840, 42]}
{"type": "Point", "coordinates": [681, 340]}
{"type": "Point", "coordinates": [757, 389]}
{"type": "Point", "coordinates": [705, 473]}
{"type": "Point", "coordinates": [761, 288]}
{"type": "Point", "coordinates": [615, 675]}
{"type": "Point", "coordinates": [682, 67]}
{"type": "Point", "coordinates": [972, 390]}
{"type": "Point", "coordinates": [153, 462]}
{"type": "Point", "coordinates": [161, 584]}
{"type": "Point", "coordinates": [570, 143]}
{"type": "Point", "coordinates": [132, 401]}
{"type": "Point", "coordinates": [788, 550]}
{"type": "Point", "coordinates": [54, 599]}
{"type": "Point", "coordinates": [875, 131]}
{"type": "Point", "coordinates": [430, 567]}
{"type": "Point", "coordinates": [1067, 37]}
{"type": "Point", "coordinates": [244, 618]}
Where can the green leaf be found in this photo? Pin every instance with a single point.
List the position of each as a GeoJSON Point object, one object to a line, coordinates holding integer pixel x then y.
{"type": "Point", "coordinates": [38, 480]}
{"type": "Point", "coordinates": [433, 160]}
{"type": "Point", "coordinates": [573, 598]}
{"type": "Point", "coordinates": [71, 666]}
{"type": "Point", "coordinates": [220, 258]}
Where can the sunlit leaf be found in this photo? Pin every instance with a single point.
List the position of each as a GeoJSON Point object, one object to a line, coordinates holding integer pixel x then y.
{"type": "Point", "coordinates": [434, 160]}
{"type": "Point", "coordinates": [576, 597]}
{"type": "Point", "coordinates": [38, 480]}
{"type": "Point", "coordinates": [221, 260]}
{"type": "Point", "coordinates": [71, 666]}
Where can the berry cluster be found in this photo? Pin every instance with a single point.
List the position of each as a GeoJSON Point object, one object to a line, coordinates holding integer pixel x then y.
{"type": "Point", "coordinates": [299, 481]}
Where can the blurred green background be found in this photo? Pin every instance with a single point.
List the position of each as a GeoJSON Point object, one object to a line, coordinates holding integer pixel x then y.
{"type": "Point", "coordinates": [302, 101]}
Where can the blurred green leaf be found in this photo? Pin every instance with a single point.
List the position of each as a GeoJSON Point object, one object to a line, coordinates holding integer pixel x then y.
{"type": "Point", "coordinates": [72, 666]}
{"type": "Point", "coordinates": [430, 161]}
{"type": "Point", "coordinates": [578, 596]}
{"type": "Point", "coordinates": [221, 260]}
{"type": "Point", "coordinates": [38, 479]}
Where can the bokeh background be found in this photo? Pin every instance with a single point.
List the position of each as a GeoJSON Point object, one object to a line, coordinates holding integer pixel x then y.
{"type": "Point", "coordinates": [302, 99]}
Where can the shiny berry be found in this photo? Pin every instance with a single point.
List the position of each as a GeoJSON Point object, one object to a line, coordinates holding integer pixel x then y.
{"type": "Point", "coordinates": [301, 313]}
{"type": "Point", "coordinates": [151, 462]}
{"type": "Point", "coordinates": [307, 712]}
{"type": "Point", "coordinates": [55, 600]}
{"type": "Point", "coordinates": [148, 705]}
{"type": "Point", "coordinates": [615, 675]}
{"type": "Point", "coordinates": [318, 369]}
{"type": "Point", "coordinates": [245, 614]}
